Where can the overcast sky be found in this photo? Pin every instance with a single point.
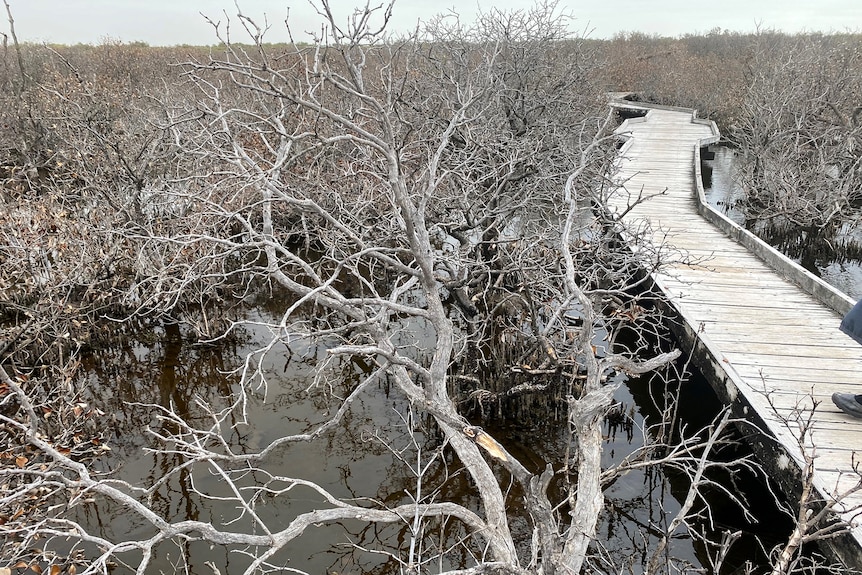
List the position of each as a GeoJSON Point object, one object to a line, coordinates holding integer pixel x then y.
{"type": "Point", "coordinates": [169, 22]}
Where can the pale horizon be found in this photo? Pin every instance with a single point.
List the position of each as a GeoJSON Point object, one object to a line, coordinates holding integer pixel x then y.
{"type": "Point", "coordinates": [174, 22]}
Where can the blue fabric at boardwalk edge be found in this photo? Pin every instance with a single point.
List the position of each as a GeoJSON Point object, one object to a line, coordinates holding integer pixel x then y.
{"type": "Point", "coordinates": [852, 322]}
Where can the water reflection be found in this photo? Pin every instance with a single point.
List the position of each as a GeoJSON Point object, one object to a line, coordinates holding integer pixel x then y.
{"type": "Point", "coordinates": [720, 187]}
{"type": "Point", "coordinates": [367, 457]}
{"type": "Point", "coordinates": [838, 259]}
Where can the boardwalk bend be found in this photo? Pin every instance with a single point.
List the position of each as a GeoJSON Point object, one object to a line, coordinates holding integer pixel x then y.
{"type": "Point", "coordinates": [763, 330]}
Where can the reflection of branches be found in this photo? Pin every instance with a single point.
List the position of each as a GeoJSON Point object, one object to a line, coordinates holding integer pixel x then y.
{"type": "Point", "coordinates": [80, 480]}
{"type": "Point", "coordinates": [404, 199]}
{"type": "Point", "coordinates": [700, 481]}
{"type": "Point", "coordinates": [192, 442]}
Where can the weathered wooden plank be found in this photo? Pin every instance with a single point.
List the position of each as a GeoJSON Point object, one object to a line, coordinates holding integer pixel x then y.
{"type": "Point", "coordinates": [808, 362]}
{"type": "Point", "coordinates": [774, 342]}
{"type": "Point", "coordinates": [842, 380]}
{"type": "Point", "coordinates": [744, 323]}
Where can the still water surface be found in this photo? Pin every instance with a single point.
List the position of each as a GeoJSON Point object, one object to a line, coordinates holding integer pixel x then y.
{"type": "Point", "coordinates": [356, 460]}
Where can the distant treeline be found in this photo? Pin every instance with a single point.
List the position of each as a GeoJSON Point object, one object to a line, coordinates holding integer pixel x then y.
{"type": "Point", "coordinates": [710, 72]}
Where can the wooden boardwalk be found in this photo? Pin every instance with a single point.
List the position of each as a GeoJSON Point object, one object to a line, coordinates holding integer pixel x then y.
{"type": "Point", "coordinates": [768, 346]}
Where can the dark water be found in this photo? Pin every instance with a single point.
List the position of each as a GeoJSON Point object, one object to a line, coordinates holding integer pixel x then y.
{"type": "Point", "coordinates": [357, 459]}
{"type": "Point", "coordinates": [822, 258]}
{"type": "Point", "coordinates": [348, 462]}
